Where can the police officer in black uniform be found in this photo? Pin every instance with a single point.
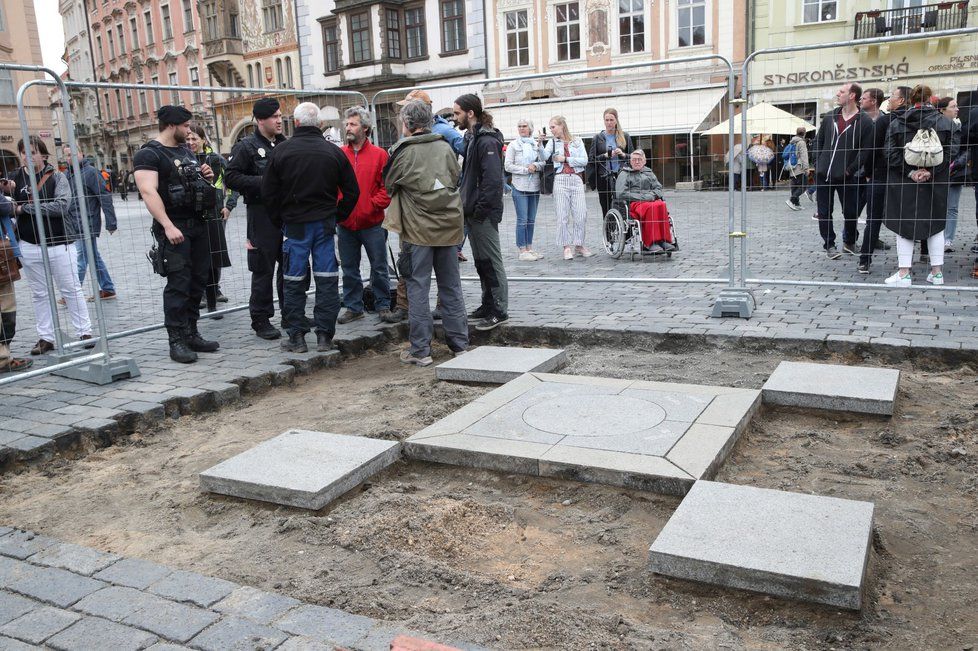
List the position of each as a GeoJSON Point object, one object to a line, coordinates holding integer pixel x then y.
{"type": "Point", "coordinates": [244, 175]}
{"type": "Point", "coordinates": [178, 192]}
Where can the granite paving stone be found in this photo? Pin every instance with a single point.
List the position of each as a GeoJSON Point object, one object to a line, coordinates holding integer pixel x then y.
{"type": "Point", "coordinates": [178, 622]}
{"type": "Point", "coordinates": [115, 603]}
{"type": "Point", "coordinates": [10, 644]}
{"type": "Point", "coordinates": [78, 559]}
{"type": "Point", "coordinates": [38, 625]}
{"type": "Point", "coordinates": [500, 364]}
{"type": "Point", "coordinates": [21, 544]}
{"type": "Point", "coordinates": [13, 606]}
{"type": "Point", "coordinates": [133, 573]}
{"type": "Point", "coordinates": [301, 468]}
{"type": "Point", "coordinates": [326, 623]}
{"type": "Point", "coordinates": [97, 633]}
{"type": "Point", "coordinates": [257, 605]}
{"type": "Point", "coordinates": [59, 587]}
{"type": "Point", "coordinates": [833, 386]}
{"type": "Point", "coordinates": [792, 545]}
{"type": "Point", "coordinates": [192, 587]}
{"type": "Point", "coordinates": [238, 633]}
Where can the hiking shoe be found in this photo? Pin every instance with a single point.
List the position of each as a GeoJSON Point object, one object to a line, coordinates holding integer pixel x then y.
{"type": "Point", "coordinates": [935, 279]}
{"type": "Point", "coordinates": [480, 312]}
{"type": "Point", "coordinates": [180, 352]}
{"type": "Point", "coordinates": [106, 295]}
{"type": "Point", "coordinates": [436, 314]}
{"type": "Point", "coordinates": [900, 281]}
{"type": "Point", "coordinates": [408, 358]}
{"type": "Point", "coordinates": [349, 316]}
{"type": "Point", "coordinates": [392, 316]}
{"type": "Point", "coordinates": [880, 245]}
{"type": "Point", "coordinates": [491, 321]}
{"type": "Point", "coordinates": [832, 253]}
{"type": "Point", "coordinates": [295, 343]}
{"type": "Point", "coordinates": [200, 345]}
{"type": "Point", "coordinates": [849, 249]}
{"type": "Point", "coordinates": [863, 268]}
{"type": "Point", "coordinates": [456, 353]}
{"type": "Point", "coordinates": [91, 345]}
{"type": "Point", "coordinates": [42, 346]}
{"type": "Point", "coordinates": [221, 298]}
{"type": "Point", "coordinates": [266, 330]}
{"type": "Point", "coordinates": [461, 257]}
{"type": "Point", "coordinates": [323, 342]}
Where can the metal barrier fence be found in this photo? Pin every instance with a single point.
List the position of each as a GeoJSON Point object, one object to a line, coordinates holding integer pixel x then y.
{"type": "Point", "coordinates": [802, 80]}
{"type": "Point", "coordinates": [137, 308]}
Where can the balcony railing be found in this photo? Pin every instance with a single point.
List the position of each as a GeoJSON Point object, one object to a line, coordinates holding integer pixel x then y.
{"type": "Point", "coordinates": [911, 20]}
{"type": "Point", "coordinates": [222, 46]}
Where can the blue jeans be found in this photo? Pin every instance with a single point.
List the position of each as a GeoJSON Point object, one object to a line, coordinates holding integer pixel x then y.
{"type": "Point", "coordinates": [101, 271]}
{"type": "Point", "coordinates": [374, 241]}
{"type": "Point", "coordinates": [953, 199]}
{"type": "Point", "coordinates": [526, 216]}
{"type": "Point", "coordinates": [301, 241]}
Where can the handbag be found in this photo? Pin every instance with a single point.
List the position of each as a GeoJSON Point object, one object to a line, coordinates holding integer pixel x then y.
{"type": "Point", "coordinates": [9, 265]}
{"type": "Point", "coordinates": [925, 150]}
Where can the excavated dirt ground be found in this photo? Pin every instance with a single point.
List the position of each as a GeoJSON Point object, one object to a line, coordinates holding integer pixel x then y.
{"type": "Point", "coordinates": [515, 562]}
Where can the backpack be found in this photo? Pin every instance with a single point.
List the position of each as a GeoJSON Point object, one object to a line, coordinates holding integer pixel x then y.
{"type": "Point", "coordinates": [789, 156]}
{"type": "Point", "coordinates": [925, 150]}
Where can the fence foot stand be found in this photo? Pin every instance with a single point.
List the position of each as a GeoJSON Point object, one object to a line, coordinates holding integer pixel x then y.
{"type": "Point", "coordinates": [102, 371]}
{"type": "Point", "coordinates": [734, 302]}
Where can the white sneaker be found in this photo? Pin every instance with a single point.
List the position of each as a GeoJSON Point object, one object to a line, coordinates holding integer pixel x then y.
{"type": "Point", "coordinates": [900, 281]}
{"type": "Point", "coordinates": [791, 205]}
{"type": "Point", "coordinates": [536, 254]}
{"type": "Point", "coordinates": [935, 279]}
{"type": "Point", "coordinates": [527, 256]}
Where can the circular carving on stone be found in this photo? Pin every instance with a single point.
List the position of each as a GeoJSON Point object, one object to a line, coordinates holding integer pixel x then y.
{"type": "Point", "coordinates": [593, 415]}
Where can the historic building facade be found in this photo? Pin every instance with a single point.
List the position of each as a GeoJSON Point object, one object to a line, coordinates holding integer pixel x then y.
{"type": "Point", "coordinates": [78, 58]}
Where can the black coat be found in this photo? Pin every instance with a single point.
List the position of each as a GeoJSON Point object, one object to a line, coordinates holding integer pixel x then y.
{"type": "Point", "coordinates": [597, 156]}
{"type": "Point", "coordinates": [840, 155]}
{"type": "Point", "coordinates": [915, 211]}
{"type": "Point", "coordinates": [249, 157]}
{"type": "Point", "coordinates": [482, 175]}
{"type": "Point", "coordinates": [304, 178]}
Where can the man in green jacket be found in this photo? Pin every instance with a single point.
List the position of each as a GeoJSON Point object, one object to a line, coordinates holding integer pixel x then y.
{"type": "Point", "coordinates": [421, 178]}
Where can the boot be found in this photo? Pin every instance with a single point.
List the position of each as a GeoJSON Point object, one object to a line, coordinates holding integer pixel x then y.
{"type": "Point", "coordinates": [296, 343]}
{"type": "Point", "coordinates": [198, 344]}
{"type": "Point", "coordinates": [179, 348]}
{"type": "Point", "coordinates": [323, 342]}
{"type": "Point", "coordinates": [264, 329]}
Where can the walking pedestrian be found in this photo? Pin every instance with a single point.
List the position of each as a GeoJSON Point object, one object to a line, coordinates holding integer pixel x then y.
{"type": "Point", "coordinates": [916, 196]}
{"type": "Point", "coordinates": [795, 157]}
{"type": "Point", "coordinates": [8, 297]}
{"type": "Point", "coordinates": [98, 202]}
{"type": "Point", "coordinates": [607, 155]}
{"type": "Point", "coordinates": [840, 151]}
{"type": "Point", "coordinates": [178, 193]}
{"type": "Point", "coordinates": [523, 162]}
{"type": "Point", "coordinates": [363, 228]}
{"type": "Point", "coordinates": [873, 178]}
{"type": "Point", "coordinates": [958, 173]}
{"type": "Point", "coordinates": [215, 219]}
{"type": "Point", "coordinates": [249, 157]}
{"type": "Point", "coordinates": [735, 159]}
{"type": "Point", "coordinates": [482, 204]}
{"type": "Point", "coordinates": [309, 186]}
{"type": "Point", "coordinates": [422, 178]}
{"type": "Point", "coordinates": [570, 159]}
{"type": "Point", "coordinates": [60, 234]}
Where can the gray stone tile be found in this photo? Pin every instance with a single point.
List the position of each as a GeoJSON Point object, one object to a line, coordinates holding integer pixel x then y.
{"type": "Point", "coordinates": [804, 547]}
{"type": "Point", "coordinates": [173, 621]}
{"type": "Point", "coordinates": [49, 584]}
{"type": "Point", "coordinates": [702, 449]}
{"type": "Point", "coordinates": [238, 633]}
{"type": "Point", "coordinates": [479, 452]}
{"type": "Point", "coordinates": [116, 603]}
{"type": "Point", "coordinates": [262, 607]}
{"type": "Point", "coordinates": [96, 633]}
{"type": "Point", "coordinates": [327, 624]}
{"type": "Point", "coordinates": [13, 606]}
{"type": "Point", "coordinates": [75, 558]}
{"type": "Point", "coordinates": [133, 573]}
{"type": "Point", "coordinates": [637, 471]}
{"type": "Point", "coordinates": [21, 544]}
{"type": "Point", "coordinates": [10, 644]}
{"type": "Point", "coordinates": [500, 364]}
{"type": "Point", "coordinates": [38, 625]}
{"type": "Point", "coordinates": [301, 468]}
{"type": "Point", "coordinates": [303, 643]}
{"type": "Point", "coordinates": [192, 588]}
{"type": "Point", "coordinates": [833, 386]}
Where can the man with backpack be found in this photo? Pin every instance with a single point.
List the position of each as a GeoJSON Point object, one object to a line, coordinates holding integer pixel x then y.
{"type": "Point", "coordinates": [795, 159]}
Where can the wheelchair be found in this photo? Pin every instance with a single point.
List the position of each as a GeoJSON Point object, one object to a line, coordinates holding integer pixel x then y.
{"type": "Point", "coordinates": [622, 234]}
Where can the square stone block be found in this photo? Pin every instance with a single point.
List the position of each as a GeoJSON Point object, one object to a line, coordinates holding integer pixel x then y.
{"type": "Point", "coordinates": [835, 387]}
{"type": "Point", "coordinates": [301, 468]}
{"type": "Point", "coordinates": [500, 364]}
{"type": "Point", "coordinates": [658, 436]}
{"type": "Point", "coordinates": [804, 547]}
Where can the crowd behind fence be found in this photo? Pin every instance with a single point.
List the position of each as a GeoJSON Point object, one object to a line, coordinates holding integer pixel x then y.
{"type": "Point", "coordinates": [699, 164]}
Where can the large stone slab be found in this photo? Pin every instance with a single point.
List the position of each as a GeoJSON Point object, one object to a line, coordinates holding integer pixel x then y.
{"type": "Point", "coordinates": [803, 547]}
{"type": "Point", "coordinates": [301, 468]}
{"type": "Point", "coordinates": [836, 387]}
{"type": "Point", "coordinates": [658, 436]}
{"type": "Point", "coordinates": [500, 364]}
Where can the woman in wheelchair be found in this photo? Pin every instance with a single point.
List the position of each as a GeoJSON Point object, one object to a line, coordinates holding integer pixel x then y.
{"type": "Point", "coordinates": [638, 189]}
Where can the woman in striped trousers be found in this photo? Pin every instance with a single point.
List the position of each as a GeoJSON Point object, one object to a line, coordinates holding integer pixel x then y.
{"type": "Point", "coordinates": [570, 159]}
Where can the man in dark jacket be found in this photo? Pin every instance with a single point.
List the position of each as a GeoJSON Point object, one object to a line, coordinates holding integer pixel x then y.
{"type": "Point", "coordinates": [873, 194]}
{"type": "Point", "coordinates": [98, 200]}
{"type": "Point", "coordinates": [840, 151]}
{"type": "Point", "coordinates": [304, 177]}
{"type": "Point", "coordinates": [482, 205]}
{"type": "Point", "coordinates": [244, 175]}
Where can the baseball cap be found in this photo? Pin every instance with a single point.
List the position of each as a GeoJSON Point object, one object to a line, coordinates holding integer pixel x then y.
{"type": "Point", "coordinates": [418, 95]}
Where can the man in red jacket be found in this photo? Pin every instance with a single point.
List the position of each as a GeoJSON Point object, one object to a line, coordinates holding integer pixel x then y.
{"type": "Point", "coordinates": [363, 227]}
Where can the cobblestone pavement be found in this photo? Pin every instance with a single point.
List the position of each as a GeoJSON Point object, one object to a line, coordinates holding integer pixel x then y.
{"type": "Point", "coordinates": [64, 596]}
{"type": "Point", "coordinates": [42, 414]}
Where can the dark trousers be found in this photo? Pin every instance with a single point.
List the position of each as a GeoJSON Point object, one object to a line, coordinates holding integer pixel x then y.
{"type": "Point", "coordinates": [606, 191]}
{"type": "Point", "coordinates": [798, 184]}
{"type": "Point", "coordinates": [488, 258]}
{"type": "Point", "coordinates": [875, 192]}
{"type": "Point", "coordinates": [444, 262]}
{"type": "Point", "coordinates": [187, 265]}
{"type": "Point", "coordinates": [848, 193]}
{"type": "Point", "coordinates": [265, 264]}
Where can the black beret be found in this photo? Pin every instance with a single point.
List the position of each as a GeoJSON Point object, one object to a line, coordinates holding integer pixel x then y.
{"type": "Point", "coordinates": [170, 114]}
{"type": "Point", "coordinates": [265, 108]}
